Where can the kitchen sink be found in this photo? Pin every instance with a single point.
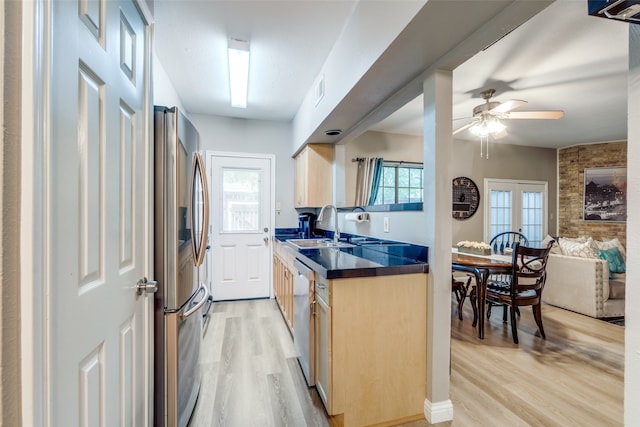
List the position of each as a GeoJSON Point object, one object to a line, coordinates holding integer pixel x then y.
{"type": "Point", "coordinates": [318, 243]}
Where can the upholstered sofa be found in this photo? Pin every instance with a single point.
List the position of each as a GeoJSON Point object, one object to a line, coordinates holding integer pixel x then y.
{"type": "Point", "coordinates": [584, 285]}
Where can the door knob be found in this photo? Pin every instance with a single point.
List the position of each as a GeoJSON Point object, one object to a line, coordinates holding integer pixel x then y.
{"type": "Point", "coordinates": [145, 285]}
{"type": "Point", "coordinates": [266, 240]}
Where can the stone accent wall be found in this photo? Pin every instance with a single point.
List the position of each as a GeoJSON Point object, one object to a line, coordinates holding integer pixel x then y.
{"type": "Point", "coordinates": [572, 162]}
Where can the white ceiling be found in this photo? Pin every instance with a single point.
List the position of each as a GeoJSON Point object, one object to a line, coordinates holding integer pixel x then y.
{"type": "Point", "coordinates": [560, 59]}
{"type": "Point", "coordinates": [289, 42]}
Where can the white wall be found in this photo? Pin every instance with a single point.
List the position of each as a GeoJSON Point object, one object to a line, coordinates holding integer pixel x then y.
{"type": "Point", "coordinates": [505, 162]}
{"type": "Point", "coordinates": [164, 93]}
{"type": "Point", "coordinates": [390, 146]}
{"type": "Point", "coordinates": [372, 27]}
{"type": "Point", "coordinates": [258, 137]}
{"type": "Point", "coordinates": [404, 226]}
{"type": "Point", "coordinates": [239, 136]}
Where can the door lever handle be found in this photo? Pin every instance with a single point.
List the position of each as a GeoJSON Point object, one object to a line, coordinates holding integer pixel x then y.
{"type": "Point", "coordinates": [145, 285]}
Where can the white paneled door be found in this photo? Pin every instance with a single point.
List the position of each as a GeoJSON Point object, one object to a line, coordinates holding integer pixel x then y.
{"type": "Point", "coordinates": [98, 342]}
{"type": "Point", "coordinates": [241, 206]}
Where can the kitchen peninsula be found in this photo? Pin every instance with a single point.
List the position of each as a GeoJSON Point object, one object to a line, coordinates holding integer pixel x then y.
{"type": "Point", "coordinates": [369, 321]}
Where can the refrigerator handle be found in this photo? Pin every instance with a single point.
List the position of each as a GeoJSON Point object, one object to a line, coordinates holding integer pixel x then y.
{"type": "Point", "coordinates": [198, 172]}
{"type": "Point", "coordinates": [206, 213]}
{"type": "Point", "coordinates": [200, 303]}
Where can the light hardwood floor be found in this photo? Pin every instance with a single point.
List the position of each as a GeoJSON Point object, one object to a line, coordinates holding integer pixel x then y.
{"type": "Point", "coordinates": [251, 376]}
{"type": "Point", "coordinates": [573, 378]}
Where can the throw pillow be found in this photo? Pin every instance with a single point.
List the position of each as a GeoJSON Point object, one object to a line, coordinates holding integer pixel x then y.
{"type": "Point", "coordinates": [580, 239]}
{"type": "Point", "coordinates": [572, 247]}
{"type": "Point", "coordinates": [614, 260]}
{"type": "Point", "coordinates": [555, 249]}
{"type": "Point", "coordinates": [606, 244]}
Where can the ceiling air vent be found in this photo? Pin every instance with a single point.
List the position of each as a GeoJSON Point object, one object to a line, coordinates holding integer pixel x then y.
{"type": "Point", "coordinates": [319, 91]}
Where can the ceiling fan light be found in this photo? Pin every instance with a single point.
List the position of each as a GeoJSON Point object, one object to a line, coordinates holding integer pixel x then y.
{"type": "Point", "coordinates": [495, 126]}
{"type": "Point", "coordinates": [487, 126]}
{"type": "Point", "coordinates": [479, 129]}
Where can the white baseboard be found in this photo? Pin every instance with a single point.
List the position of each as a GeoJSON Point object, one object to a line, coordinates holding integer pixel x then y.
{"type": "Point", "coordinates": [438, 412]}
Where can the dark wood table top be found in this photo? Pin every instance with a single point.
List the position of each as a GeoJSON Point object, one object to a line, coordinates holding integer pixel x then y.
{"type": "Point", "coordinates": [477, 261]}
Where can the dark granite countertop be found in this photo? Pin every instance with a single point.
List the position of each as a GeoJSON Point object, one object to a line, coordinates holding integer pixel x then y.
{"type": "Point", "coordinates": [369, 257]}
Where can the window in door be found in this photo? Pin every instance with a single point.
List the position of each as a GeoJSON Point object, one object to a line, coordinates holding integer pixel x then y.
{"type": "Point", "coordinates": [501, 211]}
{"type": "Point", "coordinates": [240, 200]}
{"type": "Point", "coordinates": [516, 206]}
{"type": "Point", "coordinates": [532, 214]}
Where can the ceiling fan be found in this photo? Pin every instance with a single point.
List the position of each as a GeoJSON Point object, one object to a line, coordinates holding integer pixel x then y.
{"type": "Point", "coordinates": [487, 117]}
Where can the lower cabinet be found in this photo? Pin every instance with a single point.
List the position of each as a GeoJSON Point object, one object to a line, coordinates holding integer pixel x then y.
{"type": "Point", "coordinates": [371, 348]}
{"type": "Point", "coordinates": [283, 285]}
{"type": "Point", "coordinates": [322, 331]}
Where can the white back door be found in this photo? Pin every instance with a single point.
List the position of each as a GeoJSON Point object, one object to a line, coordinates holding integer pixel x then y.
{"type": "Point", "coordinates": [98, 328]}
{"type": "Point", "coordinates": [241, 205]}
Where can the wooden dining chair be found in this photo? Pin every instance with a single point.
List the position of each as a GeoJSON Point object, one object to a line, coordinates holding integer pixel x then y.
{"type": "Point", "coordinates": [461, 290]}
{"type": "Point", "coordinates": [502, 244]}
{"type": "Point", "coordinates": [524, 286]}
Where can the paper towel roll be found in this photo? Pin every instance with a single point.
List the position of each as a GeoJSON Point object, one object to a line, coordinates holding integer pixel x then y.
{"type": "Point", "coordinates": [357, 216]}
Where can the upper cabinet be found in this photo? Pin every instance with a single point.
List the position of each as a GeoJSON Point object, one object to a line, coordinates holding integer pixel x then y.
{"type": "Point", "coordinates": [313, 183]}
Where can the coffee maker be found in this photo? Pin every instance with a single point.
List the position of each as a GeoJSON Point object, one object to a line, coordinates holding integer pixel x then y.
{"type": "Point", "coordinates": [306, 225]}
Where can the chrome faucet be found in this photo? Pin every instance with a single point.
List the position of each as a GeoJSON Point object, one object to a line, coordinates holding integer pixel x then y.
{"type": "Point", "coordinates": [336, 233]}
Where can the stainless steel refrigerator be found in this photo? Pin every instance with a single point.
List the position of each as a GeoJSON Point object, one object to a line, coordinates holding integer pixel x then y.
{"type": "Point", "coordinates": [180, 222]}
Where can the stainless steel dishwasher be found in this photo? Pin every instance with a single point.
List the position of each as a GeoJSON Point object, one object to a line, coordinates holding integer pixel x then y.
{"type": "Point", "coordinates": [303, 319]}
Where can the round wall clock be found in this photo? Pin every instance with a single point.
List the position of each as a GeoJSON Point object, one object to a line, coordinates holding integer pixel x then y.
{"type": "Point", "coordinates": [466, 197]}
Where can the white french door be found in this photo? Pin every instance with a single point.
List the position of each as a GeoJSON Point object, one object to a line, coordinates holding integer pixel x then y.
{"type": "Point", "coordinates": [241, 189]}
{"type": "Point", "coordinates": [515, 206]}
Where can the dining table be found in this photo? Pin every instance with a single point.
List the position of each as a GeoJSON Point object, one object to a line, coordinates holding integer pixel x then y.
{"type": "Point", "coordinates": [481, 267]}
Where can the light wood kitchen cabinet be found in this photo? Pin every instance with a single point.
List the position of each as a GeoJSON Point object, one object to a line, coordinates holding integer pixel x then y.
{"type": "Point", "coordinates": [322, 342]}
{"type": "Point", "coordinates": [313, 181]}
{"type": "Point", "coordinates": [371, 345]}
{"type": "Point", "coordinates": [283, 282]}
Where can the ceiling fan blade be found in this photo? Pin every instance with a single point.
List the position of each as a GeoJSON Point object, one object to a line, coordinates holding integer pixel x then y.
{"type": "Point", "coordinates": [507, 106]}
{"type": "Point", "coordinates": [467, 126]}
{"type": "Point", "coordinates": [549, 114]}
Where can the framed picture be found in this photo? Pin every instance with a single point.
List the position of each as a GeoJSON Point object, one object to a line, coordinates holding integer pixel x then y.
{"type": "Point", "coordinates": [605, 194]}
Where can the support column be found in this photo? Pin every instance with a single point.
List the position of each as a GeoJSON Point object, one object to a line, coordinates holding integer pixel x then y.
{"type": "Point", "coordinates": [632, 297]}
{"type": "Point", "coordinates": [437, 210]}
{"type": "Point", "coordinates": [10, 203]}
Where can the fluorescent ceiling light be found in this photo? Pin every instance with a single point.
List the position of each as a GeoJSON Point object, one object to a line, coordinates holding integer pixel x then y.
{"type": "Point", "coordinates": [238, 53]}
